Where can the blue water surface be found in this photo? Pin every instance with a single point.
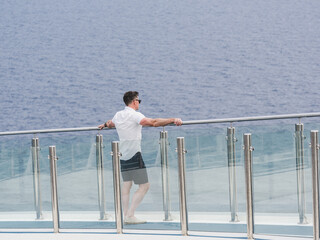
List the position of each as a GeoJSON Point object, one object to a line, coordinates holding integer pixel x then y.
{"type": "Point", "coordinates": [68, 63]}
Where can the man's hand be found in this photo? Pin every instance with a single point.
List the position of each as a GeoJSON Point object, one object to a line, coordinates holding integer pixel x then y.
{"type": "Point", "coordinates": [108, 124]}
{"type": "Point", "coordinates": [101, 126]}
{"type": "Point", "coordinates": [177, 121]}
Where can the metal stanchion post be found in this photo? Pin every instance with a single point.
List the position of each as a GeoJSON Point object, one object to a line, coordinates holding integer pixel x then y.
{"type": "Point", "coordinates": [248, 175]}
{"type": "Point", "coordinates": [182, 180]}
{"type": "Point", "coordinates": [315, 182]}
{"type": "Point", "coordinates": [100, 177]}
{"type": "Point", "coordinates": [36, 177]}
{"type": "Point", "coordinates": [54, 192]}
{"type": "Point", "coordinates": [299, 139]}
{"type": "Point", "coordinates": [231, 139]}
{"type": "Point", "coordinates": [116, 183]}
{"type": "Point", "coordinates": [165, 175]}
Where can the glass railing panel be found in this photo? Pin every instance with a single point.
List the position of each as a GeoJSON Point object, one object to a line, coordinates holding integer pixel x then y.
{"type": "Point", "coordinates": [276, 208]}
{"type": "Point", "coordinates": [77, 179]}
{"type": "Point", "coordinates": [307, 167]}
{"type": "Point", "coordinates": [151, 208]}
{"type": "Point", "coordinates": [207, 179]}
{"type": "Point", "coordinates": [274, 167]}
{"type": "Point", "coordinates": [17, 200]}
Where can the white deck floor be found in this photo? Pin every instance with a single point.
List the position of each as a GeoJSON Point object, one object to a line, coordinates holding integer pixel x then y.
{"type": "Point", "coordinates": [133, 234]}
{"type": "Point", "coordinates": [36, 234]}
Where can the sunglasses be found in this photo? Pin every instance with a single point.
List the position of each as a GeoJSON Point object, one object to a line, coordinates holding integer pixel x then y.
{"type": "Point", "coordinates": [139, 100]}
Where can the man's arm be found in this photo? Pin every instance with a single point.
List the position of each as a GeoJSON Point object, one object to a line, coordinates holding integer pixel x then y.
{"type": "Point", "coordinates": [157, 122]}
{"type": "Point", "coordinates": [108, 124]}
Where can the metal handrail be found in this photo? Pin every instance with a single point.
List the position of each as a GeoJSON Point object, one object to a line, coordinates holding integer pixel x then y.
{"type": "Point", "coordinates": [257, 118]}
{"type": "Point", "coordinates": [49, 131]}
{"type": "Point", "coordinates": [208, 121]}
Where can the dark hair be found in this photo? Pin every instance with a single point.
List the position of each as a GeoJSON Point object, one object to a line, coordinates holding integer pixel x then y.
{"type": "Point", "coordinates": [128, 97]}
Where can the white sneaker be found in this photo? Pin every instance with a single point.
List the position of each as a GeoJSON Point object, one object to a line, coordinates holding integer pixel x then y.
{"type": "Point", "coordinates": [133, 220]}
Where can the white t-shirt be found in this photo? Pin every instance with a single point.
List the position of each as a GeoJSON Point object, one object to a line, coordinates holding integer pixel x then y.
{"type": "Point", "coordinates": [128, 126]}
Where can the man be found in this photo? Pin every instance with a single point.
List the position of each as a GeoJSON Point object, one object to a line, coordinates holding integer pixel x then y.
{"type": "Point", "coordinates": [128, 123]}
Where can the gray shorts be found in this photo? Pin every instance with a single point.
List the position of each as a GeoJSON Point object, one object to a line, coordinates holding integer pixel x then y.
{"type": "Point", "coordinates": [134, 169]}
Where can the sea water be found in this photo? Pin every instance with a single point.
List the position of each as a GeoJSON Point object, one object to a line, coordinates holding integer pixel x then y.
{"type": "Point", "coordinates": [68, 63]}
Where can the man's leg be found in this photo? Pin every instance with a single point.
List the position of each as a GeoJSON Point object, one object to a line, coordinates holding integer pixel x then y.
{"type": "Point", "coordinates": [125, 195]}
{"type": "Point", "coordinates": [137, 198]}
